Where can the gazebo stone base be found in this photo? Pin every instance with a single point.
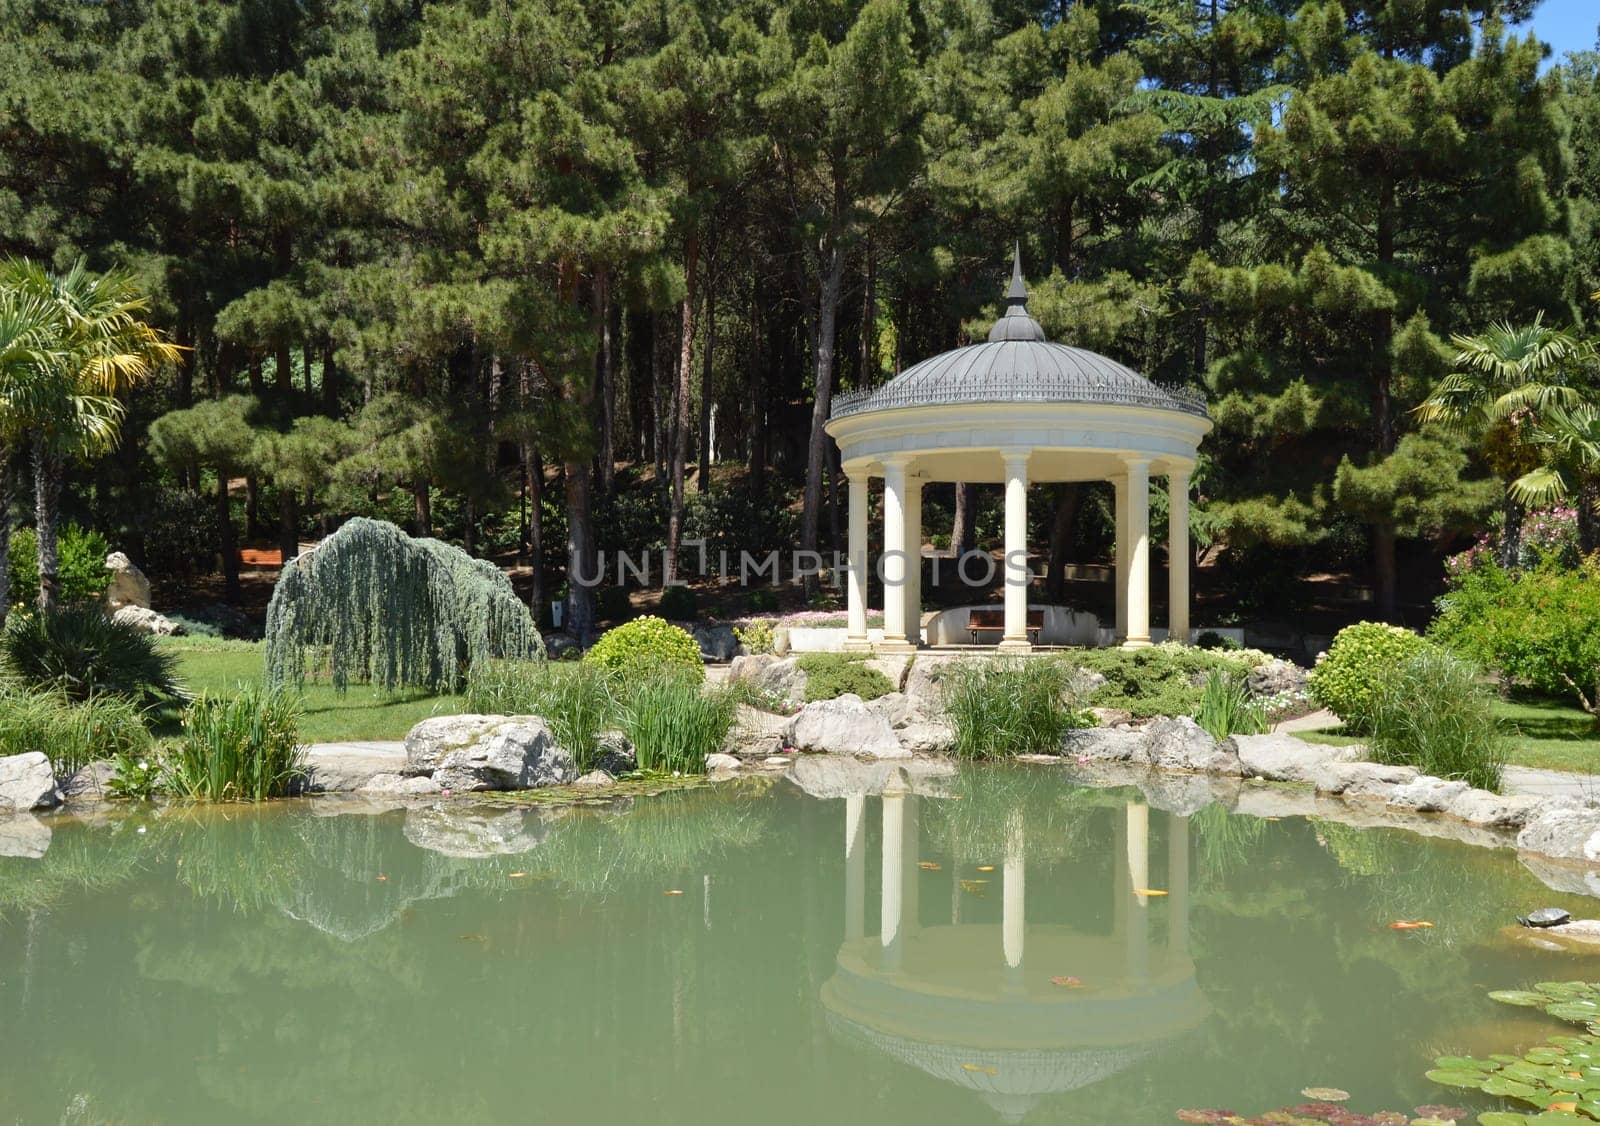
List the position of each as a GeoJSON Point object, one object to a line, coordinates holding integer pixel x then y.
{"type": "Point", "coordinates": [858, 645]}
{"type": "Point", "coordinates": [893, 648]}
{"type": "Point", "coordinates": [1136, 643]}
{"type": "Point", "coordinates": [1014, 648]}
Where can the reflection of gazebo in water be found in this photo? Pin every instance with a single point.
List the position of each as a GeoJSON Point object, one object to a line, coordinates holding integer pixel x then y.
{"type": "Point", "coordinates": [974, 1004]}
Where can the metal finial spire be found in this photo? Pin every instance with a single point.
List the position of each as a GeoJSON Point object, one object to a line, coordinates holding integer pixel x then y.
{"type": "Point", "coordinates": [1018, 293]}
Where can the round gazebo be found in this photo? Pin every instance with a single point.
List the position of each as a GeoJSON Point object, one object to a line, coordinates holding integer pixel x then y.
{"type": "Point", "coordinates": [1016, 410]}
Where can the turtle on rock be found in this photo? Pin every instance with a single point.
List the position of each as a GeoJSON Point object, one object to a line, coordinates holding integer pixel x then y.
{"type": "Point", "coordinates": [1545, 917]}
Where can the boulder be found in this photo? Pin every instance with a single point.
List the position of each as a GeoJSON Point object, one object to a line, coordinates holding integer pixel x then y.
{"type": "Point", "coordinates": [717, 642]}
{"type": "Point", "coordinates": [1084, 683]}
{"type": "Point", "coordinates": [89, 783]}
{"type": "Point", "coordinates": [1111, 717]}
{"type": "Point", "coordinates": [1362, 779]}
{"type": "Point", "coordinates": [755, 732]}
{"type": "Point", "coordinates": [595, 780]}
{"type": "Point", "coordinates": [614, 753]}
{"type": "Point", "coordinates": [473, 834]}
{"type": "Point", "coordinates": [1283, 758]}
{"type": "Point", "coordinates": [146, 620]}
{"type": "Point", "coordinates": [128, 586]}
{"type": "Point", "coordinates": [338, 768]}
{"type": "Point", "coordinates": [840, 776]}
{"type": "Point", "coordinates": [924, 682]}
{"type": "Point", "coordinates": [24, 836]}
{"type": "Point", "coordinates": [1179, 743]}
{"type": "Point", "coordinates": [1277, 677]}
{"type": "Point", "coordinates": [1184, 794]}
{"type": "Point", "coordinates": [1497, 811]}
{"type": "Point", "coordinates": [515, 753]}
{"type": "Point", "coordinates": [1274, 801]}
{"type": "Point", "coordinates": [895, 669]}
{"type": "Point", "coordinates": [843, 726]}
{"type": "Point", "coordinates": [896, 708]}
{"type": "Point", "coordinates": [779, 677]}
{"type": "Point", "coordinates": [27, 781]}
{"type": "Point", "coordinates": [932, 736]}
{"type": "Point", "coordinates": [562, 647]}
{"type": "Point", "coordinates": [1564, 832]}
{"type": "Point", "coordinates": [401, 785]}
{"type": "Point", "coordinates": [1102, 744]}
{"type": "Point", "coordinates": [1565, 877]}
{"type": "Point", "coordinates": [1427, 794]}
{"type": "Point", "coordinates": [721, 764]}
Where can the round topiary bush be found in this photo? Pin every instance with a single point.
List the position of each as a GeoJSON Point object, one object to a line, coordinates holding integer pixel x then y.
{"type": "Point", "coordinates": [1360, 659]}
{"type": "Point", "coordinates": [646, 645]}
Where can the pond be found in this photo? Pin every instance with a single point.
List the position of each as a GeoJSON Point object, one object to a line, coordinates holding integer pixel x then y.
{"type": "Point", "coordinates": [1000, 946]}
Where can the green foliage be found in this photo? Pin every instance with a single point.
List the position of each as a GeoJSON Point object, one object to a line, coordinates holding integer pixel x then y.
{"type": "Point", "coordinates": [1004, 707]}
{"type": "Point", "coordinates": [1227, 706]}
{"type": "Point", "coordinates": [757, 636]}
{"type": "Point", "coordinates": [137, 777]}
{"type": "Point", "coordinates": [1163, 679]}
{"type": "Point", "coordinates": [645, 645]}
{"type": "Point", "coordinates": [830, 675]}
{"type": "Point", "coordinates": [180, 533]}
{"type": "Point", "coordinates": [679, 604]}
{"type": "Point", "coordinates": [577, 699]}
{"type": "Point", "coordinates": [761, 600]}
{"type": "Point", "coordinates": [80, 652]}
{"type": "Point", "coordinates": [1539, 627]}
{"type": "Point", "coordinates": [1431, 712]}
{"type": "Point", "coordinates": [1362, 656]}
{"type": "Point", "coordinates": [81, 571]}
{"type": "Point", "coordinates": [243, 747]}
{"type": "Point", "coordinates": [612, 604]}
{"type": "Point", "coordinates": [380, 607]}
{"type": "Point", "coordinates": [1420, 490]}
{"type": "Point", "coordinates": [1211, 639]}
{"type": "Point", "coordinates": [674, 721]}
{"type": "Point", "coordinates": [73, 733]}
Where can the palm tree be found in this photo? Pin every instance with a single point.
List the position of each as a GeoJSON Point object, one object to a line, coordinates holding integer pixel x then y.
{"type": "Point", "coordinates": [29, 366]}
{"type": "Point", "coordinates": [1570, 438]}
{"type": "Point", "coordinates": [1506, 380]}
{"type": "Point", "coordinates": [108, 349]}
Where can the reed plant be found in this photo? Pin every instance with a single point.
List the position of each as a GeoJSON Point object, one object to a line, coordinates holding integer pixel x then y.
{"type": "Point", "coordinates": [1434, 712]}
{"type": "Point", "coordinates": [243, 747]}
{"type": "Point", "coordinates": [577, 699]}
{"type": "Point", "coordinates": [1009, 706]}
{"type": "Point", "coordinates": [72, 733]}
{"type": "Point", "coordinates": [1227, 706]}
{"type": "Point", "coordinates": [674, 721]}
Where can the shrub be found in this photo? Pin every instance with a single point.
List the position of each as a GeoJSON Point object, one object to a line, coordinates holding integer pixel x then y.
{"type": "Point", "coordinates": [81, 567]}
{"type": "Point", "coordinates": [80, 652]}
{"type": "Point", "coordinates": [674, 722]}
{"type": "Point", "coordinates": [1431, 712]}
{"type": "Point", "coordinates": [612, 604]}
{"type": "Point", "coordinates": [1162, 679]}
{"type": "Point", "coordinates": [757, 636]}
{"type": "Point", "coordinates": [1009, 707]}
{"type": "Point", "coordinates": [72, 734]}
{"type": "Point", "coordinates": [239, 748]}
{"type": "Point", "coordinates": [831, 675]}
{"type": "Point", "coordinates": [645, 645]}
{"type": "Point", "coordinates": [1227, 707]}
{"type": "Point", "coordinates": [679, 604]}
{"type": "Point", "coordinates": [1211, 639]}
{"type": "Point", "coordinates": [761, 600]}
{"type": "Point", "coordinates": [180, 532]}
{"type": "Point", "coordinates": [1359, 659]}
{"type": "Point", "coordinates": [1540, 627]}
{"type": "Point", "coordinates": [576, 700]}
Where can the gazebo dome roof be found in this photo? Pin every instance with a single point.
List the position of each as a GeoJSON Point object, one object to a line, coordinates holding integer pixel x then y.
{"type": "Point", "coordinates": [1019, 363]}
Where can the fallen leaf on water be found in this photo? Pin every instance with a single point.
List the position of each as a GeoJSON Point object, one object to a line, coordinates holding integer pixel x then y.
{"type": "Point", "coordinates": [673, 891]}
{"type": "Point", "coordinates": [382, 879]}
{"type": "Point", "coordinates": [1148, 891]}
{"type": "Point", "coordinates": [1272, 819]}
{"type": "Point", "coordinates": [1409, 925]}
{"type": "Point", "coordinates": [1068, 982]}
{"type": "Point", "coordinates": [980, 1069]}
{"type": "Point", "coordinates": [986, 867]}
{"type": "Point", "coordinates": [515, 875]}
{"type": "Point", "coordinates": [472, 938]}
{"type": "Point", "coordinates": [1326, 1094]}
{"type": "Point", "coordinates": [1569, 1107]}
{"type": "Point", "coordinates": [929, 866]}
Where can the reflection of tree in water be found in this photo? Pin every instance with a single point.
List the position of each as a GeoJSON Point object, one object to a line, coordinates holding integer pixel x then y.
{"type": "Point", "coordinates": [78, 860]}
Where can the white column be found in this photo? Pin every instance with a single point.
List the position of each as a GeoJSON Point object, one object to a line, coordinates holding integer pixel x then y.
{"type": "Point", "coordinates": [1178, 886]}
{"type": "Point", "coordinates": [856, 592]}
{"type": "Point", "coordinates": [855, 866]}
{"type": "Point", "coordinates": [894, 554]}
{"type": "Point", "coordinates": [1178, 557]}
{"type": "Point", "coordinates": [1017, 574]}
{"type": "Point", "coordinates": [914, 560]}
{"type": "Point", "coordinates": [1120, 594]}
{"type": "Point", "coordinates": [894, 795]}
{"type": "Point", "coordinates": [1138, 553]}
{"type": "Point", "coordinates": [1013, 894]}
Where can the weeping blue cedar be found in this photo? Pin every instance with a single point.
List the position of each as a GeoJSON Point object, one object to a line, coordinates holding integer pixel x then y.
{"type": "Point", "coordinates": [377, 606]}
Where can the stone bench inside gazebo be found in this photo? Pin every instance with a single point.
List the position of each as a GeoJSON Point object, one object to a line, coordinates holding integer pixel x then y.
{"type": "Point", "coordinates": [1015, 410]}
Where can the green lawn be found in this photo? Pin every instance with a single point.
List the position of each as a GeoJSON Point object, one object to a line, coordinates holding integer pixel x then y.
{"type": "Point", "coordinates": [1553, 734]}
{"type": "Point", "coordinates": [207, 665]}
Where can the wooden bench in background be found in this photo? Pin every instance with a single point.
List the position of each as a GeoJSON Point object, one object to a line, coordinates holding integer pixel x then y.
{"type": "Point", "coordinates": [994, 621]}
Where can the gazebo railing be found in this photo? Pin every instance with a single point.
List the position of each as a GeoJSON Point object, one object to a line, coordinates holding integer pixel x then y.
{"type": "Point", "coordinates": [1027, 389]}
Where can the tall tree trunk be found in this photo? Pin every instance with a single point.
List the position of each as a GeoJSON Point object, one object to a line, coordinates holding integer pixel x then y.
{"type": "Point", "coordinates": [1067, 498]}
{"type": "Point", "coordinates": [703, 481]}
{"type": "Point", "coordinates": [422, 506]}
{"type": "Point", "coordinates": [8, 489]}
{"type": "Point", "coordinates": [230, 546]}
{"type": "Point", "coordinates": [535, 486]}
{"type": "Point", "coordinates": [1588, 501]}
{"type": "Point", "coordinates": [758, 397]}
{"type": "Point", "coordinates": [961, 523]}
{"type": "Point", "coordinates": [869, 321]}
{"type": "Point", "coordinates": [1383, 552]}
{"type": "Point", "coordinates": [49, 467]}
{"type": "Point", "coordinates": [1510, 532]}
{"type": "Point", "coordinates": [827, 322]}
{"type": "Point", "coordinates": [252, 486]}
{"type": "Point", "coordinates": [330, 381]}
{"type": "Point", "coordinates": [581, 561]}
{"type": "Point", "coordinates": [288, 523]}
{"type": "Point", "coordinates": [608, 386]}
{"type": "Point", "coordinates": [1383, 540]}
{"type": "Point", "coordinates": [681, 419]}
{"type": "Point", "coordinates": [660, 401]}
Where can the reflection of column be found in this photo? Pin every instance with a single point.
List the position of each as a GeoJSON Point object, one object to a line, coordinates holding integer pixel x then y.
{"type": "Point", "coordinates": [856, 596]}
{"type": "Point", "coordinates": [894, 795]}
{"type": "Point", "coordinates": [1013, 913]}
{"type": "Point", "coordinates": [1138, 818]}
{"type": "Point", "coordinates": [1178, 886]}
{"type": "Point", "coordinates": [855, 866]}
{"type": "Point", "coordinates": [1017, 575]}
{"type": "Point", "coordinates": [911, 884]}
{"type": "Point", "coordinates": [1178, 557]}
{"type": "Point", "coordinates": [914, 561]}
{"type": "Point", "coordinates": [894, 553]}
{"type": "Point", "coordinates": [1138, 552]}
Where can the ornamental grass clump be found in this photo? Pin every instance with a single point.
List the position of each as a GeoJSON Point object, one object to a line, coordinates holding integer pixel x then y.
{"type": "Point", "coordinates": [239, 748]}
{"type": "Point", "coordinates": [80, 653]}
{"type": "Point", "coordinates": [72, 733]}
{"type": "Point", "coordinates": [674, 721]}
{"type": "Point", "coordinates": [577, 700]}
{"type": "Point", "coordinates": [1009, 707]}
{"type": "Point", "coordinates": [1434, 713]}
{"type": "Point", "coordinates": [373, 605]}
{"type": "Point", "coordinates": [1227, 706]}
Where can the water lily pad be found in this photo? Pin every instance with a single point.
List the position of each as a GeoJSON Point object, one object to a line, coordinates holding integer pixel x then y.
{"type": "Point", "coordinates": [1501, 1087]}
{"type": "Point", "coordinates": [1574, 1010]}
{"type": "Point", "coordinates": [1519, 997]}
{"type": "Point", "coordinates": [1326, 1094]}
{"type": "Point", "coordinates": [1502, 1118]}
{"type": "Point", "coordinates": [1458, 1077]}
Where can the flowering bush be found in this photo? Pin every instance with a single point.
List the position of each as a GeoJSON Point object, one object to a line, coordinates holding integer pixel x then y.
{"type": "Point", "coordinates": [646, 645]}
{"type": "Point", "coordinates": [1347, 677]}
{"type": "Point", "coordinates": [1549, 534]}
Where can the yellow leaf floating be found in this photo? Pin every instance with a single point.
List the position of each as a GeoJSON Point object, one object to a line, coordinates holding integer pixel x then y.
{"type": "Point", "coordinates": [1148, 891]}
{"type": "Point", "coordinates": [1409, 925]}
{"type": "Point", "coordinates": [673, 891]}
{"type": "Point", "coordinates": [516, 875]}
{"type": "Point", "coordinates": [1067, 982]}
{"type": "Point", "coordinates": [980, 1069]}
{"type": "Point", "coordinates": [986, 867]}
{"type": "Point", "coordinates": [1326, 1094]}
{"type": "Point", "coordinates": [929, 866]}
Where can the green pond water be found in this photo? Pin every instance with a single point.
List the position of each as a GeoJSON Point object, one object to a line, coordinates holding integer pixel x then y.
{"type": "Point", "coordinates": [749, 954]}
